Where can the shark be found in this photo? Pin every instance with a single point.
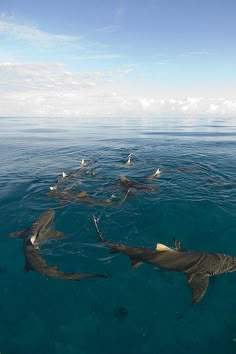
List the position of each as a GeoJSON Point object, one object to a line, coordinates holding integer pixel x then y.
{"type": "Point", "coordinates": [128, 183]}
{"type": "Point", "coordinates": [196, 266]}
{"type": "Point", "coordinates": [33, 236]}
{"type": "Point", "coordinates": [82, 197]}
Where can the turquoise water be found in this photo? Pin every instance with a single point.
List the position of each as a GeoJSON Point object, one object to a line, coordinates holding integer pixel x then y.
{"type": "Point", "coordinates": [134, 311]}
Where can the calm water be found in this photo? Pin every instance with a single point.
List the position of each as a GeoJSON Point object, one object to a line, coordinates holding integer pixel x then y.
{"type": "Point", "coordinates": [140, 311]}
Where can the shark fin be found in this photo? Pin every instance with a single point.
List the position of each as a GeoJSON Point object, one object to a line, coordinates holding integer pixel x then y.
{"type": "Point", "coordinates": [198, 284]}
{"type": "Point", "coordinates": [51, 233]}
{"type": "Point", "coordinates": [160, 248]}
{"type": "Point", "coordinates": [134, 263]}
{"type": "Point", "coordinates": [123, 179]}
{"type": "Point", "coordinates": [32, 239]}
{"type": "Point", "coordinates": [20, 233]}
{"type": "Point", "coordinates": [177, 244]}
{"type": "Point", "coordinates": [27, 268]}
{"type": "Point", "coordinates": [82, 194]}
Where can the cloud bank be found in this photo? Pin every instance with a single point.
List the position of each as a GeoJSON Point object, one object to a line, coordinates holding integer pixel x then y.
{"type": "Point", "coordinates": [42, 90]}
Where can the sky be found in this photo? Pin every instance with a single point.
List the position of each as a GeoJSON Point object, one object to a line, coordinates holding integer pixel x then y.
{"type": "Point", "coordinates": [107, 58]}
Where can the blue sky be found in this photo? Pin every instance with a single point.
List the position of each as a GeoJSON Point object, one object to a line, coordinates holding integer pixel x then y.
{"type": "Point", "coordinates": [126, 57]}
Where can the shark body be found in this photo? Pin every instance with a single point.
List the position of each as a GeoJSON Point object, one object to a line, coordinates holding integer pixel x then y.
{"type": "Point", "coordinates": [196, 266]}
{"type": "Point", "coordinates": [128, 183]}
{"type": "Point", "coordinates": [82, 197]}
{"type": "Point", "coordinates": [39, 231]}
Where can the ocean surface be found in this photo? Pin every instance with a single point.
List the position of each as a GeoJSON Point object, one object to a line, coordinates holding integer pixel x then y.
{"type": "Point", "coordinates": [138, 311]}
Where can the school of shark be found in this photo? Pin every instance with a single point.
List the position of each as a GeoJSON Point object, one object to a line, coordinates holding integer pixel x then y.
{"type": "Point", "coordinates": [196, 266]}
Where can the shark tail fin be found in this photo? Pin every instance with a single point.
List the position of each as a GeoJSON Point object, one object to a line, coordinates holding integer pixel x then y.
{"type": "Point", "coordinates": [125, 197]}
{"type": "Point", "coordinates": [20, 233]}
{"type": "Point", "coordinates": [198, 284]}
{"type": "Point", "coordinates": [97, 229]}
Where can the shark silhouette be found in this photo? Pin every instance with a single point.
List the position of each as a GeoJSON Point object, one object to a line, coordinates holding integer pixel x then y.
{"type": "Point", "coordinates": [129, 183]}
{"type": "Point", "coordinates": [196, 266]}
{"type": "Point", "coordinates": [39, 231]}
{"type": "Point", "coordinates": [82, 197]}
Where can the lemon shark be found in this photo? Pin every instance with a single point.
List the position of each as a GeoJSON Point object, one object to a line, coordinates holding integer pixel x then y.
{"type": "Point", "coordinates": [82, 197]}
{"type": "Point", "coordinates": [129, 183]}
{"type": "Point", "coordinates": [38, 232]}
{"type": "Point", "coordinates": [196, 266]}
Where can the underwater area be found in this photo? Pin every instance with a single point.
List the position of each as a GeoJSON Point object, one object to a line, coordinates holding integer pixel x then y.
{"type": "Point", "coordinates": [144, 310]}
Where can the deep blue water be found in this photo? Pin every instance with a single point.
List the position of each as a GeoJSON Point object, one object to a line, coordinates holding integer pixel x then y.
{"type": "Point", "coordinates": [134, 311]}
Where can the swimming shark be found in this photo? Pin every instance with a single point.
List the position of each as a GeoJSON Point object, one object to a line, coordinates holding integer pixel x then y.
{"type": "Point", "coordinates": [196, 266]}
{"type": "Point", "coordinates": [153, 175]}
{"type": "Point", "coordinates": [128, 183]}
{"type": "Point", "coordinates": [74, 196]}
{"type": "Point", "coordinates": [38, 232]}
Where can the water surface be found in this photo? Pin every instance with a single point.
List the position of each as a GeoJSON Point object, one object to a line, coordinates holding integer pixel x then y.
{"type": "Point", "coordinates": [139, 311]}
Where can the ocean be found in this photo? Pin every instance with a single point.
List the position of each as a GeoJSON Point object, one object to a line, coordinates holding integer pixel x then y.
{"type": "Point", "coordinates": [144, 310]}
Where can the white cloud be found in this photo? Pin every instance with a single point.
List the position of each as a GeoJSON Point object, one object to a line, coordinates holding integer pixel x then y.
{"type": "Point", "coordinates": [109, 29]}
{"type": "Point", "coordinates": [98, 57]}
{"type": "Point", "coordinates": [192, 53]}
{"type": "Point", "coordinates": [33, 35]}
{"type": "Point", "coordinates": [40, 89]}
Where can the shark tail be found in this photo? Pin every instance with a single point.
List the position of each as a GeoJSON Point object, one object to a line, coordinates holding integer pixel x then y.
{"type": "Point", "coordinates": [97, 229]}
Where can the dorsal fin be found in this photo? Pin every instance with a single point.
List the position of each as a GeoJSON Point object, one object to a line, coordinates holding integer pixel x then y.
{"type": "Point", "coordinates": [32, 239]}
{"type": "Point", "coordinates": [160, 248]}
{"type": "Point", "coordinates": [123, 179]}
{"type": "Point", "coordinates": [82, 194]}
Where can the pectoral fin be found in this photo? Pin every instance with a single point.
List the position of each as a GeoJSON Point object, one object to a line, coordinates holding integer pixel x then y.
{"type": "Point", "coordinates": [20, 233]}
{"type": "Point", "coordinates": [198, 284]}
{"type": "Point", "coordinates": [27, 268]}
{"type": "Point", "coordinates": [134, 263]}
{"type": "Point", "coordinates": [45, 235]}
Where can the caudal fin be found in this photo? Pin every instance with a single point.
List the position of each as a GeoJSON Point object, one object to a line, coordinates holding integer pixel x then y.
{"type": "Point", "coordinates": [97, 229]}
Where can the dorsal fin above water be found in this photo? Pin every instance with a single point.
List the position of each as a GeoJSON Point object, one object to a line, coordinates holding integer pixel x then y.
{"type": "Point", "coordinates": [123, 179]}
{"type": "Point", "coordinates": [82, 194]}
{"type": "Point", "coordinates": [160, 248]}
{"type": "Point", "coordinates": [32, 239]}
